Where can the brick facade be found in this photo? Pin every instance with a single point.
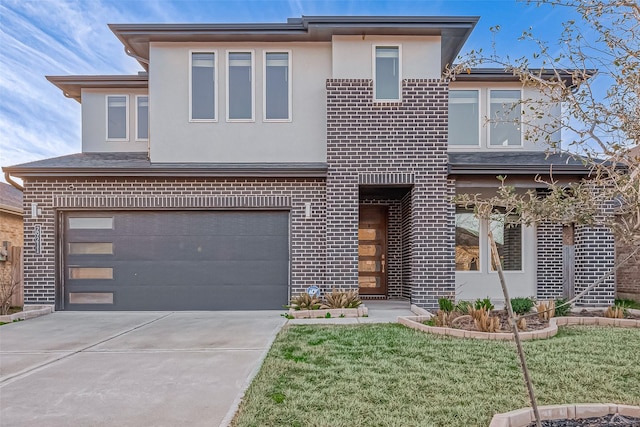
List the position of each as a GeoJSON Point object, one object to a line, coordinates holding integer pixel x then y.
{"type": "Point", "coordinates": [594, 256]}
{"type": "Point", "coordinates": [628, 275]}
{"type": "Point", "coordinates": [407, 138]}
{"type": "Point", "coordinates": [307, 254]}
{"type": "Point", "coordinates": [550, 261]}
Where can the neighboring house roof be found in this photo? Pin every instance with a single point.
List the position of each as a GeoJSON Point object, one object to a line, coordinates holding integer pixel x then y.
{"type": "Point", "coordinates": [72, 86]}
{"type": "Point", "coordinates": [454, 31]}
{"type": "Point", "coordinates": [10, 199]}
{"type": "Point", "coordinates": [138, 164]}
{"type": "Point", "coordinates": [515, 163]}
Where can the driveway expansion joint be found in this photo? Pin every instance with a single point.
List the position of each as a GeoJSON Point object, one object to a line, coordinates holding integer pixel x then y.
{"type": "Point", "coordinates": [65, 355]}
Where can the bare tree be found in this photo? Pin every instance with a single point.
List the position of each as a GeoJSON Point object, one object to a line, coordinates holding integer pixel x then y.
{"type": "Point", "coordinates": [593, 73]}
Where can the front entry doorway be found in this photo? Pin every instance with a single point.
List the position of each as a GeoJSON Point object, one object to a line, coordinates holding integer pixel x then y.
{"type": "Point", "coordinates": [372, 251]}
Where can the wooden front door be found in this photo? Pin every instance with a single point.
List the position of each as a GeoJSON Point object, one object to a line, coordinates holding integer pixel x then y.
{"type": "Point", "coordinates": [372, 250]}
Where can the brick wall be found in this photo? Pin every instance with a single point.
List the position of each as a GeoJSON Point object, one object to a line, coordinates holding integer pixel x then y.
{"type": "Point", "coordinates": [594, 256]}
{"type": "Point", "coordinates": [407, 246]}
{"type": "Point", "coordinates": [550, 261]}
{"type": "Point", "coordinates": [628, 275]}
{"type": "Point", "coordinates": [307, 257]}
{"type": "Point", "coordinates": [407, 137]}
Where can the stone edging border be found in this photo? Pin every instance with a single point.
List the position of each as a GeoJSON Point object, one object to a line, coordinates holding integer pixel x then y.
{"type": "Point", "coordinates": [361, 311]}
{"type": "Point", "coordinates": [523, 417]}
{"type": "Point", "coordinates": [29, 312]}
{"type": "Point", "coordinates": [415, 322]}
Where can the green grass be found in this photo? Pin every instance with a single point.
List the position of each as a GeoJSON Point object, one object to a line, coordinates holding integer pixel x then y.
{"type": "Point", "coordinates": [389, 375]}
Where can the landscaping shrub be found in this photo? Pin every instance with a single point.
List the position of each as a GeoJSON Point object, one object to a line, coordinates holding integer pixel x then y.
{"type": "Point", "coordinates": [446, 305]}
{"type": "Point", "coordinates": [521, 305]}
{"type": "Point", "coordinates": [484, 303]}
{"type": "Point", "coordinates": [463, 307]}
{"type": "Point", "coordinates": [564, 309]}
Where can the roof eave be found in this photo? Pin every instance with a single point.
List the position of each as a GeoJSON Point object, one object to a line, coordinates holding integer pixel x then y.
{"type": "Point", "coordinates": [197, 172]}
{"type": "Point", "coordinates": [71, 86]}
{"type": "Point", "coordinates": [454, 29]}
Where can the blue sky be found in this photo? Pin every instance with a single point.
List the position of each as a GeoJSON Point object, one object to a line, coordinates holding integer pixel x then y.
{"type": "Point", "coordinates": [55, 37]}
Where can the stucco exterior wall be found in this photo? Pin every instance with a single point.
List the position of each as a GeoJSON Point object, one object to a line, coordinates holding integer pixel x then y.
{"type": "Point", "coordinates": [352, 56]}
{"type": "Point", "coordinates": [175, 139]}
{"type": "Point", "coordinates": [94, 122]}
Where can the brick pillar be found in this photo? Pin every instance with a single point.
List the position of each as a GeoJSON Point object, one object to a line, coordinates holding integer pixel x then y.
{"type": "Point", "coordinates": [433, 262]}
{"type": "Point", "coordinates": [550, 264]}
{"type": "Point", "coordinates": [594, 256]}
{"type": "Point", "coordinates": [342, 230]}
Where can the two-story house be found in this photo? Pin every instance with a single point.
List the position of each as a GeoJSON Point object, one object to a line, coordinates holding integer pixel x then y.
{"type": "Point", "coordinates": [250, 161]}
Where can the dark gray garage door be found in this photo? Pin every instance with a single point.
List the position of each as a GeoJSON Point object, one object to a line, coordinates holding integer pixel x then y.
{"type": "Point", "coordinates": [176, 260]}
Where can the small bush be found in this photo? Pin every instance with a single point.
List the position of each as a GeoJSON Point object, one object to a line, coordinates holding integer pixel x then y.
{"type": "Point", "coordinates": [463, 307]}
{"type": "Point", "coordinates": [342, 299]}
{"type": "Point", "coordinates": [521, 306]}
{"type": "Point", "coordinates": [484, 303]}
{"type": "Point", "coordinates": [562, 310]}
{"type": "Point", "coordinates": [305, 302]}
{"type": "Point", "coordinates": [446, 305]}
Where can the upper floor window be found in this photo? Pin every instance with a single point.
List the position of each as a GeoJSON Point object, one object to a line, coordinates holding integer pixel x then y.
{"type": "Point", "coordinates": [142, 117]}
{"type": "Point", "coordinates": [464, 117]}
{"type": "Point", "coordinates": [240, 86]}
{"type": "Point", "coordinates": [387, 73]}
{"type": "Point", "coordinates": [117, 114]}
{"type": "Point", "coordinates": [203, 86]}
{"type": "Point", "coordinates": [277, 86]}
{"type": "Point", "coordinates": [504, 114]}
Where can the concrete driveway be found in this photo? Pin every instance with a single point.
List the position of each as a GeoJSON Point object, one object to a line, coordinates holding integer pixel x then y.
{"type": "Point", "coordinates": [130, 368]}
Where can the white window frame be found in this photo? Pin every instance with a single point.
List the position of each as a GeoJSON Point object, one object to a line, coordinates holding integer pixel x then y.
{"type": "Point", "coordinates": [106, 117]}
{"type": "Point", "coordinates": [253, 85]}
{"type": "Point", "coordinates": [136, 114]}
{"type": "Point", "coordinates": [489, 123]}
{"type": "Point", "coordinates": [482, 229]}
{"type": "Point", "coordinates": [215, 85]}
{"type": "Point", "coordinates": [264, 86]}
{"type": "Point", "coordinates": [481, 129]}
{"type": "Point", "coordinates": [373, 66]}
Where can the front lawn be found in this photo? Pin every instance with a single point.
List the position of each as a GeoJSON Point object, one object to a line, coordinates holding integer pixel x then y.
{"type": "Point", "coordinates": [389, 375]}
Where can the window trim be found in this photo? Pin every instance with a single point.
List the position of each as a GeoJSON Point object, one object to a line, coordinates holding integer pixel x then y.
{"type": "Point", "coordinates": [136, 119]}
{"type": "Point", "coordinates": [215, 85]}
{"type": "Point", "coordinates": [489, 123]}
{"type": "Point", "coordinates": [480, 125]}
{"type": "Point", "coordinates": [264, 86]}
{"type": "Point", "coordinates": [253, 85]}
{"type": "Point", "coordinates": [373, 71]}
{"type": "Point", "coordinates": [481, 250]}
{"type": "Point", "coordinates": [126, 115]}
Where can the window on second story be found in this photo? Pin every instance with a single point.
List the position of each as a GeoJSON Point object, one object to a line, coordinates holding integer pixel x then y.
{"type": "Point", "coordinates": [142, 117]}
{"type": "Point", "coordinates": [504, 114]}
{"type": "Point", "coordinates": [203, 86]}
{"type": "Point", "coordinates": [117, 114]}
{"type": "Point", "coordinates": [240, 86]}
{"type": "Point", "coordinates": [387, 73]}
{"type": "Point", "coordinates": [464, 117]}
{"type": "Point", "coordinates": [277, 86]}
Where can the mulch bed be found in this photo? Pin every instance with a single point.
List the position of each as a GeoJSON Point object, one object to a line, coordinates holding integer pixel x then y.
{"type": "Point", "coordinates": [534, 323]}
{"type": "Point", "coordinates": [606, 421]}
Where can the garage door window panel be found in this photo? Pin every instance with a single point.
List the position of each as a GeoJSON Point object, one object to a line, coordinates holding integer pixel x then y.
{"type": "Point", "coordinates": [88, 223]}
{"type": "Point", "coordinates": [90, 248]}
{"type": "Point", "coordinates": [91, 273]}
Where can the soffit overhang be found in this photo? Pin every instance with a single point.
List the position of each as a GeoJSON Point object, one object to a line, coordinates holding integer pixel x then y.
{"type": "Point", "coordinates": [71, 86]}
{"type": "Point", "coordinates": [454, 31]}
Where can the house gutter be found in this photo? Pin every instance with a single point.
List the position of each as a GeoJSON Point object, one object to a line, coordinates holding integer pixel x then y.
{"type": "Point", "coordinates": [10, 180]}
